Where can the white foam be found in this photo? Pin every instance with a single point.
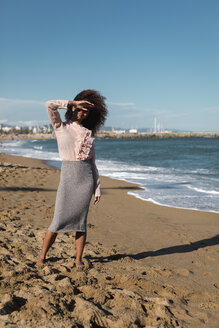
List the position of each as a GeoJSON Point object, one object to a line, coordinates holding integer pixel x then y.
{"type": "Point", "coordinates": [172, 206]}
{"type": "Point", "coordinates": [38, 147]}
{"type": "Point", "coordinates": [213, 192]}
{"type": "Point", "coordinates": [167, 186]}
{"type": "Point", "coordinates": [17, 147]}
{"type": "Point", "coordinates": [15, 143]}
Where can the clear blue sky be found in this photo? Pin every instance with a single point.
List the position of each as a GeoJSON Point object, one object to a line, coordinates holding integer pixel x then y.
{"type": "Point", "coordinates": [150, 58]}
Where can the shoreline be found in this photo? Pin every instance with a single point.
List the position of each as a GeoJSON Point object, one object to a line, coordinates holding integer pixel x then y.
{"type": "Point", "coordinates": [45, 161]}
{"type": "Point", "coordinates": [144, 263]}
{"type": "Point", "coordinates": [158, 204]}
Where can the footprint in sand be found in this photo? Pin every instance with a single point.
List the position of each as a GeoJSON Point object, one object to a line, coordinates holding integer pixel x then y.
{"type": "Point", "coordinates": [197, 263]}
{"type": "Point", "coordinates": [183, 272]}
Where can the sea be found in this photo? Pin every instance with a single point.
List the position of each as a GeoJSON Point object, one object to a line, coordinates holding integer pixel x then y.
{"type": "Point", "coordinates": [181, 173]}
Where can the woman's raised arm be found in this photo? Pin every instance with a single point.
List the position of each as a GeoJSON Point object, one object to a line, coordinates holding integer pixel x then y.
{"type": "Point", "coordinates": [52, 106]}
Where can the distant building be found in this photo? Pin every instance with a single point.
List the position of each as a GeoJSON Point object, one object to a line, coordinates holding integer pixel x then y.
{"type": "Point", "coordinates": [119, 131]}
{"type": "Point", "coordinates": [167, 131]}
{"type": "Point", "coordinates": [6, 128]}
{"type": "Point", "coordinates": [133, 131]}
{"type": "Point", "coordinates": [44, 129]}
{"type": "Point", "coordinates": [35, 130]}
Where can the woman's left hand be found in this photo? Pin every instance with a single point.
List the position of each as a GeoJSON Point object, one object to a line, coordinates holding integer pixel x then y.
{"type": "Point", "coordinates": [97, 199]}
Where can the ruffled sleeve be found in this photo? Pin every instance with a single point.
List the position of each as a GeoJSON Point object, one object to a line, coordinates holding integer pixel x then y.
{"type": "Point", "coordinates": [84, 143]}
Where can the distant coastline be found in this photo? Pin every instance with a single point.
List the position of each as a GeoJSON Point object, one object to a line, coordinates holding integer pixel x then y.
{"type": "Point", "coordinates": [112, 135]}
{"type": "Point", "coordinates": [161, 135]}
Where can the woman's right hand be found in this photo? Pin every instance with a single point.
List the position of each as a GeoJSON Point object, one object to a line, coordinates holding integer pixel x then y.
{"type": "Point", "coordinates": [97, 199]}
{"type": "Point", "coordinates": [79, 104]}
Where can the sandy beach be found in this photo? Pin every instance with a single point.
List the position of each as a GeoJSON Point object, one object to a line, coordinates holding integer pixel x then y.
{"type": "Point", "coordinates": [145, 265]}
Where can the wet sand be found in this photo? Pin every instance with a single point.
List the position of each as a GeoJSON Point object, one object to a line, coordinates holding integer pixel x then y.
{"type": "Point", "coordinates": [145, 265]}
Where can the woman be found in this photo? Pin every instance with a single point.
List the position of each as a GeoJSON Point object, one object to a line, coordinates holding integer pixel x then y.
{"type": "Point", "coordinates": [79, 177]}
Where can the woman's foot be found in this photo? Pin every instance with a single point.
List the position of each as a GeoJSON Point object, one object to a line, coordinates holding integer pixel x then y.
{"type": "Point", "coordinates": [79, 265]}
{"type": "Point", "coordinates": [40, 262]}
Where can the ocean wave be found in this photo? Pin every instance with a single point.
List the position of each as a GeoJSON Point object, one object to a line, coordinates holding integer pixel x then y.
{"type": "Point", "coordinates": [38, 147]}
{"type": "Point", "coordinates": [213, 192]}
{"type": "Point", "coordinates": [166, 205]}
{"type": "Point", "coordinates": [22, 148]}
{"type": "Point", "coordinates": [14, 143]}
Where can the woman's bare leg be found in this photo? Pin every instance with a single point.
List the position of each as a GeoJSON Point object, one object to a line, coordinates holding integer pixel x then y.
{"type": "Point", "coordinates": [80, 239]}
{"type": "Point", "coordinates": [49, 239]}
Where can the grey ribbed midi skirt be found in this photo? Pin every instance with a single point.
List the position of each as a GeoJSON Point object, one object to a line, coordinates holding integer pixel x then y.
{"type": "Point", "coordinates": [73, 197]}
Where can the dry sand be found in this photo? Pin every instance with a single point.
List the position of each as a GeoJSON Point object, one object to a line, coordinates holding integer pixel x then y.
{"type": "Point", "coordinates": [145, 265]}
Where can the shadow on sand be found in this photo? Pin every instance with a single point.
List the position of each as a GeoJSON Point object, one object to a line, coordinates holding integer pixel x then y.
{"type": "Point", "coordinates": [186, 248]}
{"type": "Point", "coordinates": [25, 189]}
